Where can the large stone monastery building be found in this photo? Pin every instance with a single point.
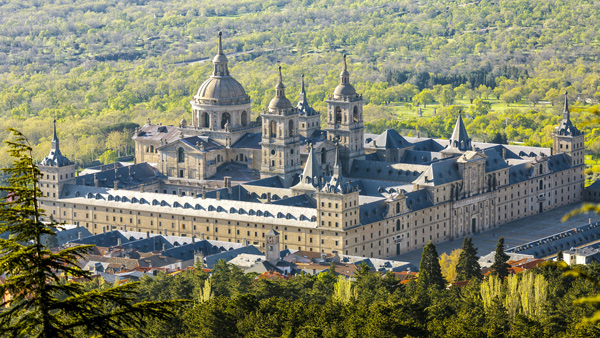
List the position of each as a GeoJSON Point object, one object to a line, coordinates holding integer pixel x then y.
{"type": "Point", "coordinates": [221, 176]}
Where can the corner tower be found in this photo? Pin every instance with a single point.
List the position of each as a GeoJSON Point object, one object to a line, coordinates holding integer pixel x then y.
{"type": "Point", "coordinates": [56, 171]}
{"type": "Point", "coordinates": [338, 204]}
{"type": "Point", "coordinates": [568, 139]}
{"type": "Point", "coordinates": [280, 140]}
{"type": "Point", "coordinates": [345, 119]}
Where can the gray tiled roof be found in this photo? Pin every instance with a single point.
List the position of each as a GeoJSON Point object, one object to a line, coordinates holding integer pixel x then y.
{"type": "Point", "coordinates": [157, 133]}
{"type": "Point", "coordinates": [249, 141]}
{"type": "Point", "coordinates": [389, 139]}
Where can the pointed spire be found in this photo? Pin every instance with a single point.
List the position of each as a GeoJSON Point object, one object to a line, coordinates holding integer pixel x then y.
{"type": "Point", "coordinates": [460, 139]}
{"type": "Point", "coordinates": [302, 91]}
{"type": "Point", "coordinates": [279, 88]}
{"type": "Point", "coordinates": [55, 143]}
{"type": "Point", "coordinates": [566, 113]}
{"type": "Point", "coordinates": [220, 61]}
{"type": "Point", "coordinates": [566, 126]}
{"type": "Point", "coordinates": [303, 106]}
{"type": "Point", "coordinates": [220, 51]}
{"type": "Point", "coordinates": [312, 169]}
{"type": "Point", "coordinates": [344, 75]}
{"type": "Point", "coordinates": [55, 158]}
{"type": "Point", "coordinates": [337, 168]}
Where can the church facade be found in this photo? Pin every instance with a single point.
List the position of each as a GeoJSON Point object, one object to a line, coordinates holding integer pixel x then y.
{"type": "Point", "coordinates": [225, 177]}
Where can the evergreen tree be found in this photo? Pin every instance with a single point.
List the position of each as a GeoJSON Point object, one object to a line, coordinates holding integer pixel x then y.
{"type": "Point", "coordinates": [43, 304]}
{"type": "Point", "coordinates": [468, 265]}
{"type": "Point", "coordinates": [430, 272]}
{"type": "Point", "coordinates": [500, 266]}
{"type": "Point", "coordinates": [560, 256]}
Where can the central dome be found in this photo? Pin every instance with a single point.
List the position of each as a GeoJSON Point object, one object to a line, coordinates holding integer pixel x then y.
{"type": "Point", "coordinates": [225, 90]}
{"type": "Point", "coordinates": [221, 88]}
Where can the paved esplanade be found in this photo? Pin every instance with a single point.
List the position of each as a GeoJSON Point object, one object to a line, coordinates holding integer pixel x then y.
{"type": "Point", "coordinates": [515, 233]}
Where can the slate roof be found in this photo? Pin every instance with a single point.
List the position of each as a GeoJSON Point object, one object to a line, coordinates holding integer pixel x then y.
{"type": "Point", "coordinates": [386, 171]}
{"type": "Point", "coordinates": [558, 162]}
{"type": "Point", "coordinates": [389, 139]}
{"type": "Point", "coordinates": [197, 142]}
{"type": "Point", "coordinates": [127, 176]}
{"type": "Point", "coordinates": [460, 139]}
{"type": "Point", "coordinates": [248, 141]}
{"type": "Point", "coordinates": [157, 133]}
{"type": "Point", "coordinates": [420, 157]}
{"type": "Point", "coordinates": [494, 160]}
{"type": "Point", "coordinates": [273, 181]}
{"type": "Point", "coordinates": [372, 211]}
{"type": "Point", "coordinates": [519, 173]}
{"type": "Point", "coordinates": [299, 200]}
{"type": "Point", "coordinates": [191, 206]}
{"type": "Point", "coordinates": [439, 173]}
{"type": "Point", "coordinates": [417, 200]}
{"type": "Point", "coordinates": [565, 240]}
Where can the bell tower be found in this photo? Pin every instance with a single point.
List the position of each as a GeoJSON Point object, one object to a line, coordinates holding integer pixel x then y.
{"type": "Point", "coordinates": [568, 139]}
{"type": "Point", "coordinates": [345, 119]}
{"type": "Point", "coordinates": [280, 139]}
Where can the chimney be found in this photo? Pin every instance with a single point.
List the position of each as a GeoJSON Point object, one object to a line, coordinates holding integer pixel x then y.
{"type": "Point", "coordinates": [504, 153]}
{"type": "Point", "coordinates": [129, 172]}
{"type": "Point", "coordinates": [95, 180]}
{"type": "Point", "coordinates": [551, 151]}
{"type": "Point", "coordinates": [375, 143]}
{"type": "Point", "coordinates": [119, 241]}
{"type": "Point", "coordinates": [193, 238]}
{"type": "Point", "coordinates": [124, 227]}
{"type": "Point", "coordinates": [147, 234]}
{"type": "Point", "coordinates": [103, 229]}
{"type": "Point", "coordinates": [164, 247]}
{"type": "Point", "coordinates": [269, 197]}
{"type": "Point", "coordinates": [202, 236]}
{"type": "Point", "coordinates": [116, 184]}
{"type": "Point", "coordinates": [244, 241]}
{"type": "Point", "coordinates": [141, 187]}
{"type": "Point", "coordinates": [79, 235]}
{"type": "Point", "coordinates": [165, 232]}
{"type": "Point", "coordinates": [203, 192]}
{"type": "Point", "coordinates": [218, 195]}
{"type": "Point", "coordinates": [178, 191]}
{"type": "Point", "coordinates": [227, 181]}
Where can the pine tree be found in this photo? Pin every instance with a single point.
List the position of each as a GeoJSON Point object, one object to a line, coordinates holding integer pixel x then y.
{"type": "Point", "coordinates": [468, 263]}
{"type": "Point", "coordinates": [560, 257]}
{"type": "Point", "coordinates": [430, 272]}
{"type": "Point", "coordinates": [500, 266]}
{"type": "Point", "coordinates": [43, 304]}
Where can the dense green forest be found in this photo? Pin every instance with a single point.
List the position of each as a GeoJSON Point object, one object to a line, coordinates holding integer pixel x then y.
{"type": "Point", "coordinates": [538, 303]}
{"type": "Point", "coordinates": [101, 67]}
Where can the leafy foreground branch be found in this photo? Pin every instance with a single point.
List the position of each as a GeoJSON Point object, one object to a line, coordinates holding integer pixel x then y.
{"type": "Point", "coordinates": [43, 303]}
